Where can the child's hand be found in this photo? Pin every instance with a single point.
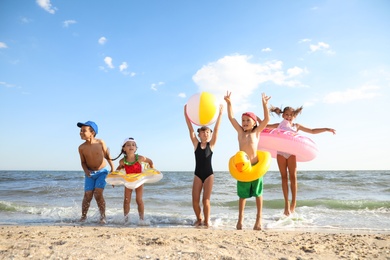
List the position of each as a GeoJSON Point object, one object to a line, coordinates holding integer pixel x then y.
{"type": "Point", "coordinates": [331, 130]}
{"type": "Point", "coordinates": [220, 109]}
{"type": "Point", "coordinates": [265, 98]}
{"type": "Point", "coordinates": [227, 97]}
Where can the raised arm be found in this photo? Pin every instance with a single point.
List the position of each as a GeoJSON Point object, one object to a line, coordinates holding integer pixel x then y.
{"type": "Point", "coordinates": [263, 123]}
{"type": "Point", "coordinates": [232, 120]}
{"type": "Point", "coordinates": [216, 128]}
{"type": "Point", "coordinates": [193, 138]}
{"type": "Point", "coordinates": [315, 130]}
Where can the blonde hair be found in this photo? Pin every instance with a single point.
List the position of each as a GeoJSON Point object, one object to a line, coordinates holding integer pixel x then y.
{"type": "Point", "coordinates": [279, 111]}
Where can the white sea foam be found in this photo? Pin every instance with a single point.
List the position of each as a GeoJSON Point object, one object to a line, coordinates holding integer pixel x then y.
{"type": "Point", "coordinates": [327, 200]}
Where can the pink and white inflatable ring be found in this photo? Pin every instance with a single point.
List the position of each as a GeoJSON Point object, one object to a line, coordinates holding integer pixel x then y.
{"type": "Point", "coordinates": [274, 140]}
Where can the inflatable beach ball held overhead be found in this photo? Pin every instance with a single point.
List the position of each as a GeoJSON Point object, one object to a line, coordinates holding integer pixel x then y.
{"type": "Point", "coordinates": [202, 109]}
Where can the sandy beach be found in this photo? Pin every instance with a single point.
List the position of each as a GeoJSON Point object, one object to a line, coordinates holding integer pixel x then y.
{"type": "Point", "coordinates": [100, 242]}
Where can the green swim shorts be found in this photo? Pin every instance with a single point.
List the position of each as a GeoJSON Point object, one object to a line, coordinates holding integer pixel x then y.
{"type": "Point", "coordinates": [250, 189]}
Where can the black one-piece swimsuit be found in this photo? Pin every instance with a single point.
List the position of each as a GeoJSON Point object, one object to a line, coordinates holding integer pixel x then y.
{"type": "Point", "coordinates": [203, 168]}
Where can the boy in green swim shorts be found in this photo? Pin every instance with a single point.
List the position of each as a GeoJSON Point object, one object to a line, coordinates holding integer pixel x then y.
{"type": "Point", "coordinates": [246, 190]}
{"type": "Point", "coordinates": [248, 139]}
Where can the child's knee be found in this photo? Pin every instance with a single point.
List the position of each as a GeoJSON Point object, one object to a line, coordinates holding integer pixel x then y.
{"type": "Point", "coordinates": [139, 201]}
{"type": "Point", "coordinates": [88, 195]}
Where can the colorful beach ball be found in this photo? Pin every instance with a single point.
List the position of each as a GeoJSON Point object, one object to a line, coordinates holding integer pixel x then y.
{"type": "Point", "coordinates": [202, 109]}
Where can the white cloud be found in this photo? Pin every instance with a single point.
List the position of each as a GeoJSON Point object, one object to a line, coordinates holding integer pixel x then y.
{"type": "Point", "coordinates": [379, 76]}
{"type": "Point", "coordinates": [123, 69]}
{"type": "Point", "coordinates": [321, 46]}
{"type": "Point", "coordinates": [155, 85]}
{"type": "Point", "coordinates": [310, 103]}
{"type": "Point", "coordinates": [349, 95]}
{"type": "Point", "coordinates": [3, 45]}
{"type": "Point", "coordinates": [7, 85]}
{"type": "Point", "coordinates": [46, 5]}
{"type": "Point", "coordinates": [25, 20]}
{"type": "Point", "coordinates": [108, 61]}
{"type": "Point", "coordinates": [266, 50]}
{"type": "Point", "coordinates": [123, 66]}
{"type": "Point", "coordinates": [296, 71]}
{"type": "Point", "coordinates": [305, 40]}
{"type": "Point", "coordinates": [238, 75]}
{"type": "Point", "coordinates": [182, 95]}
{"type": "Point", "coordinates": [102, 40]}
{"type": "Point", "coordinates": [68, 22]}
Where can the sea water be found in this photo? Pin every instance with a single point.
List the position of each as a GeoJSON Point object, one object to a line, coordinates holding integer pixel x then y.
{"type": "Point", "coordinates": [334, 200]}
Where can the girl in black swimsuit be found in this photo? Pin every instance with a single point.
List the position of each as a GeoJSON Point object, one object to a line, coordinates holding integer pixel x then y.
{"type": "Point", "coordinates": [203, 167]}
{"type": "Point", "coordinates": [204, 177]}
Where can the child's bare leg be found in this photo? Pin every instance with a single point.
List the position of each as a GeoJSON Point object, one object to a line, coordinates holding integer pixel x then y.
{"type": "Point", "coordinates": [207, 189]}
{"type": "Point", "coordinates": [282, 164]}
{"type": "Point", "coordinates": [140, 203]}
{"type": "Point", "coordinates": [88, 195]}
{"type": "Point", "coordinates": [259, 205]}
{"type": "Point", "coordinates": [101, 204]}
{"type": "Point", "coordinates": [126, 203]}
{"type": "Point", "coordinates": [196, 190]}
{"type": "Point", "coordinates": [292, 169]}
{"type": "Point", "coordinates": [241, 206]}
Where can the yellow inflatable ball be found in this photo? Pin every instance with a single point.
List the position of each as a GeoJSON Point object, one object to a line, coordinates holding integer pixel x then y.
{"type": "Point", "coordinates": [202, 109]}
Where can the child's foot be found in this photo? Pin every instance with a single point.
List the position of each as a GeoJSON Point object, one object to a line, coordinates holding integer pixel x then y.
{"type": "Point", "coordinates": [292, 208]}
{"type": "Point", "coordinates": [82, 219]}
{"type": "Point", "coordinates": [142, 222]}
{"type": "Point", "coordinates": [126, 218]}
{"type": "Point", "coordinates": [102, 221]}
{"type": "Point", "coordinates": [239, 226]}
{"type": "Point", "coordinates": [206, 224]}
{"type": "Point", "coordinates": [198, 223]}
{"type": "Point", "coordinates": [257, 226]}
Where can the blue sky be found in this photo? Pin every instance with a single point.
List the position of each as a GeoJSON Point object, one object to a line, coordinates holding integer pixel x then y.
{"type": "Point", "coordinates": [131, 66]}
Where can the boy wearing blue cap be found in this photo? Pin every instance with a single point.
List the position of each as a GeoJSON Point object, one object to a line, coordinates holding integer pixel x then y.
{"type": "Point", "coordinates": [92, 154]}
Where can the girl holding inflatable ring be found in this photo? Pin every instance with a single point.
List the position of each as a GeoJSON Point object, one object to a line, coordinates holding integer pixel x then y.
{"type": "Point", "coordinates": [131, 163]}
{"type": "Point", "coordinates": [287, 163]}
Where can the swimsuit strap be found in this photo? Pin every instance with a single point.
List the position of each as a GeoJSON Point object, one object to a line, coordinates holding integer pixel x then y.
{"type": "Point", "coordinates": [130, 163]}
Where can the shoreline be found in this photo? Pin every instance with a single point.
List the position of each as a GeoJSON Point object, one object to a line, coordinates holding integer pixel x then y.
{"type": "Point", "coordinates": [98, 242]}
{"type": "Point", "coordinates": [211, 228]}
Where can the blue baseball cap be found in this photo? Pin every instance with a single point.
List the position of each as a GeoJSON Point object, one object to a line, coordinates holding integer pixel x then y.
{"type": "Point", "coordinates": [89, 123]}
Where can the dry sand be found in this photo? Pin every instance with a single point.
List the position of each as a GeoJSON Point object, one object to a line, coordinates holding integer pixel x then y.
{"type": "Point", "coordinates": [102, 242]}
